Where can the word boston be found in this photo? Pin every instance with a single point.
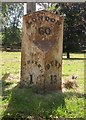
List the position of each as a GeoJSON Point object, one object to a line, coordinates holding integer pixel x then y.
{"type": "Point", "coordinates": [41, 57]}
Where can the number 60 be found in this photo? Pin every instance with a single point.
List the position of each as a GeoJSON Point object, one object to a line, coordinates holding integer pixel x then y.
{"type": "Point", "coordinates": [44, 30]}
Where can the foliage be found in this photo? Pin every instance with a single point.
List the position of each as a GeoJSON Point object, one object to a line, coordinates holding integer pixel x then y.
{"type": "Point", "coordinates": [12, 14]}
{"type": "Point", "coordinates": [44, 5]}
{"type": "Point", "coordinates": [12, 37]}
{"type": "Point", "coordinates": [74, 31]}
{"type": "Point", "coordinates": [74, 25]}
{"type": "Point", "coordinates": [24, 103]}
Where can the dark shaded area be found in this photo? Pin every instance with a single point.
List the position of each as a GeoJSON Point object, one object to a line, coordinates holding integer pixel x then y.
{"type": "Point", "coordinates": [5, 76]}
{"type": "Point", "coordinates": [74, 58]}
{"type": "Point", "coordinates": [5, 85]}
{"type": "Point", "coordinates": [7, 49]}
{"type": "Point", "coordinates": [70, 94]}
{"type": "Point", "coordinates": [74, 26]}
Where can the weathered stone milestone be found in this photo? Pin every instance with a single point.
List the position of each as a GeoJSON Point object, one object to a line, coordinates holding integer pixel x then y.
{"type": "Point", "coordinates": [41, 57]}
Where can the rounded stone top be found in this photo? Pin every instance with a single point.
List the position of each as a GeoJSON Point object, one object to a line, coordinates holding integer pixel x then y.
{"type": "Point", "coordinates": [43, 13]}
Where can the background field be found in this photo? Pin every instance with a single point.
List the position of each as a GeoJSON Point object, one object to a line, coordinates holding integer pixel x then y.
{"type": "Point", "coordinates": [18, 102]}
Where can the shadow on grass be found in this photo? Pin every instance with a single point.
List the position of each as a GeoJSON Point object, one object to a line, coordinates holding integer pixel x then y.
{"type": "Point", "coordinates": [71, 94]}
{"type": "Point", "coordinates": [23, 102]}
{"type": "Point", "coordinates": [5, 76]}
{"type": "Point", "coordinates": [74, 58]}
{"type": "Point", "coordinates": [65, 75]}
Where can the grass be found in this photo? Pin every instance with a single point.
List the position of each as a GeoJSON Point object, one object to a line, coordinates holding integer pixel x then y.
{"type": "Point", "coordinates": [24, 103]}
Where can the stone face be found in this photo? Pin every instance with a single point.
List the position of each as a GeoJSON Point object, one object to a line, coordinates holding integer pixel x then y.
{"type": "Point", "coordinates": [41, 57]}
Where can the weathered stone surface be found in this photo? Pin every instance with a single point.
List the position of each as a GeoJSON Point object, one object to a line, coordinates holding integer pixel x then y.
{"type": "Point", "coordinates": [41, 59]}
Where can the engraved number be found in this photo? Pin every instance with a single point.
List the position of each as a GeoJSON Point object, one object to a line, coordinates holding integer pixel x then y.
{"type": "Point", "coordinates": [53, 79]}
{"type": "Point", "coordinates": [31, 79]}
{"type": "Point", "coordinates": [44, 30]}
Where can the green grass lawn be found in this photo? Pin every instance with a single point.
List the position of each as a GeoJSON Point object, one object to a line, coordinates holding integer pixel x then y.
{"type": "Point", "coordinates": [24, 103]}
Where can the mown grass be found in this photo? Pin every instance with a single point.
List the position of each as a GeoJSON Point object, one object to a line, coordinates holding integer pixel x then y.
{"type": "Point", "coordinates": [24, 103]}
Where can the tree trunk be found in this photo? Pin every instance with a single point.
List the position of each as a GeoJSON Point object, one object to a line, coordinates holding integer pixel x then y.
{"type": "Point", "coordinates": [68, 55]}
{"type": "Point", "coordinates": [31, 7]}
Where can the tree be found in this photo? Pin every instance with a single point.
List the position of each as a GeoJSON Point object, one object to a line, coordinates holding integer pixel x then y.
{"type": "Point", "coordinates": [12, 14]}
{"type": "Point", "coordinates": [31, 6]}
{"type": "Point", "coordinates": [74, 30]}
{"type": "Point", "coordinates": [74, 25]}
